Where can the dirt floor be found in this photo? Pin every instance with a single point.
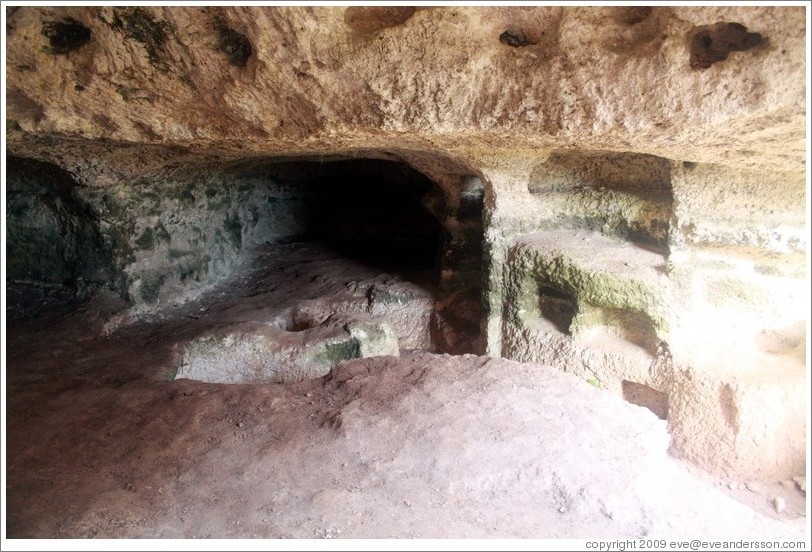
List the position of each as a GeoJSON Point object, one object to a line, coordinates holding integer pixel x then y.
{"type": "Point", "coordinates": [103, 442]}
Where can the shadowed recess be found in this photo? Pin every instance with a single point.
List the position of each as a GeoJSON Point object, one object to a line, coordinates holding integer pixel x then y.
{"type": "Point", "coordinates": [713, 43]}
{"type": "Point", "coordinates": [65, 36]}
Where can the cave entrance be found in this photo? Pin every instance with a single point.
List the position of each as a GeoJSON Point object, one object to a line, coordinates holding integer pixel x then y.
{"type": "Point", "coordinates": [357, 258]}
{"type": "Point", "coordinates": [284, 266]}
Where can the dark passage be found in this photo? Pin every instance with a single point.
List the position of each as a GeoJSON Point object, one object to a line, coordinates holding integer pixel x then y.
{"type": "Point", "coordinates": [381, 212]}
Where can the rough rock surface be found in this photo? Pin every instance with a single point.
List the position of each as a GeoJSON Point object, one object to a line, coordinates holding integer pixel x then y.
{"type": "Point", "coordinates": [418, 446]}
{"type": "Point", "coordinates": [264, 354]}
{"type": "Point", "coordinates": [295, 311]}
{"type": "Point", "coordinates": [323, 80]}
{"type": "Point", "coordinates": [307, 309]}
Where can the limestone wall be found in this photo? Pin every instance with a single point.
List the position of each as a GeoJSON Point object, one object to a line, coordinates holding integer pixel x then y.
{"type": "Point", "coordinates": [671, 283]}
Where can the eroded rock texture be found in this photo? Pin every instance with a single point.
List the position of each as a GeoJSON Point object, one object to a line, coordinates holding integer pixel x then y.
{"type": "Point", "coordinates": [615, 191]}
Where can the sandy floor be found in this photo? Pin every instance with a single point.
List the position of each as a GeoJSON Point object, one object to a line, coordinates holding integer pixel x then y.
{"type": "Point", "coordinates": [101, 442]}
